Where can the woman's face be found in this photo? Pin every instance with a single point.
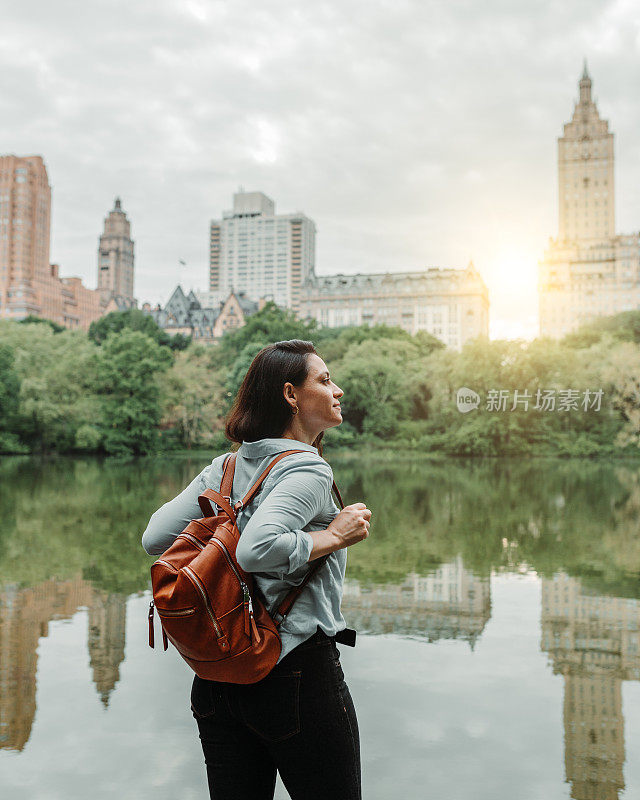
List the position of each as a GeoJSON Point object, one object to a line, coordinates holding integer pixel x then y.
{"type": "Point", "coordinates": [317, 399]}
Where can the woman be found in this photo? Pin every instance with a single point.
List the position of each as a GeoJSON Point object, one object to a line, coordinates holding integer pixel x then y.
{"type": "Point", "coordinates": [300, 720]}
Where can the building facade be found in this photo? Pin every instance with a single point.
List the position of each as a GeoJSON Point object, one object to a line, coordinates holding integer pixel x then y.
{"type": "Point", "coordinates": [25, 212]}
{"type": "Point", "coordinates": [29, 284]}
{"type": "Point", "coordinates": [185, 314]}
{"type": "Point", "coordinates": [116, 256]}
{"type": "Point", "coordinates": [255, 250]}
{"type": "Point", "coordinates": [451, 304]}
{"type": "Point", "coordinates": [588, 270]}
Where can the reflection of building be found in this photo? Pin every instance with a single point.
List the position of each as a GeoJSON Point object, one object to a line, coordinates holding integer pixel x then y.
{"type": "Point", "coordinates": [186, 314]}
{"type": "Point", "coordinates": [107, 618]}
{"type": "Point", "coordinates": [24, 618]}
{"type": "Point", "coordinates": [587, 271]}
{"type": "Point", "coordinates": [450, 603]}
{"type": "Point", "coordinates": [594, 642]}
{"type": "Point", "coordinates": [29, 284]}
{"type": "Point", "coordinates": [451, 304]}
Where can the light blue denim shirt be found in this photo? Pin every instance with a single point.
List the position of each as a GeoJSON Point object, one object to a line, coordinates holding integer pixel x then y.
{"type": "Point", "coordinates": [295, 498]}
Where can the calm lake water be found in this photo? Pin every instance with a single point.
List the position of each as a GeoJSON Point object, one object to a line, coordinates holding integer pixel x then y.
{"type": "Point", "coordinates": [497, 604]}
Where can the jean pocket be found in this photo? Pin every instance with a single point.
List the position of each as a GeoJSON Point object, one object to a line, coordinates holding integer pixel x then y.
{"type": "Point", "coordinates": [205, 698]}
{"type": "Point", "coordinates": [271, 707]}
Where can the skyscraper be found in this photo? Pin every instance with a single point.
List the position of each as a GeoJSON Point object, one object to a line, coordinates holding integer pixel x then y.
{"type": "Point", "coordinates": [115, 257]}
{"type": "Point", "coordinates": [585, 172]}
{"type": "Point", "coordinates": [29, 284]}
{"type": "Point", "coordinates": [25, 210]}
{"type": "Point", "coordinates": [588, 270]}
{"type": "Point", "coordinates": [255, 250]}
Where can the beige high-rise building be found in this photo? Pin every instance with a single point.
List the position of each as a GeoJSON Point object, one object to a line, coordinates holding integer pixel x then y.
{"type": "Point", "coordinates": [254, 250]}
{"type": "Point", "coordinates": [29, 284]}
{"type": "Point", "coordinates": [115, 256]}
{"type": "Point", "coordinates": [588, 270]}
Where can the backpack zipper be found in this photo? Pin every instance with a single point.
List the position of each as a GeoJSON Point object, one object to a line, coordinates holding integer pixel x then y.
{"type": "Point", "coordinates": [245, 589]}
{"type": "Point", "coordinates": [222, 639]}
{"type": "Point", "coordinates": [182, 612]}
{"type": "Point", "coordinates": [192, 539]}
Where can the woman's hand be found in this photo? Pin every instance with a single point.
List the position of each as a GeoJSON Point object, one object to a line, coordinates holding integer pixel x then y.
{"type": "Point", "coordinates": [351, 525]}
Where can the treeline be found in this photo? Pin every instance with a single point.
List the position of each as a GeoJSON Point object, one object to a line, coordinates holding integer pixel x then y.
{"type": "Point", "coordinates": [127, 388]}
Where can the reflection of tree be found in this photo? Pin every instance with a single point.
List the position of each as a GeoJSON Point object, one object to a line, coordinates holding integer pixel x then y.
{"type": "Point", "coordinates": [593, 641]}
{"type": "Point", "coordinates": [577, 516]}
{"type": "Point", "coordinates": [24, 618]}
{"type": "Point", "coordinates": [84, 515]}
{"type": "Point", "coordinates": [450, 603]}
{"type": "Point", "coordinates": [88, 515]}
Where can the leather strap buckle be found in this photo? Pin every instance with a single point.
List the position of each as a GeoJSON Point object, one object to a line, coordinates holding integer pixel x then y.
{"type": "Point", "coordinates": [276, 615]}
{"type": "Point", "coordinates": [224, 497]}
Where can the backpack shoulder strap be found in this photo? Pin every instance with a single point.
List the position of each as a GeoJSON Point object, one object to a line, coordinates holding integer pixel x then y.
{"type": "Point", "coordinates": [227, 484]}
{"type": "Point", "coordinates": [204, 500]}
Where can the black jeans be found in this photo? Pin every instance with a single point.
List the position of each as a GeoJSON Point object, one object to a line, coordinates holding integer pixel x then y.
{"type": "Point", "coordinates": [299, 720]}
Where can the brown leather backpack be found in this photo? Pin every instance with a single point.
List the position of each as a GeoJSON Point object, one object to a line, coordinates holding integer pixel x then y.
{"type": "Point", "coordinates": [207, 604]}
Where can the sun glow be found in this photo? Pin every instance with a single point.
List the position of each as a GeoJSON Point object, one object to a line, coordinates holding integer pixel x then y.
{"type": "Point", "coordinates": [513, 272]}
{"type": "Point", "coordinates": [512, 280]}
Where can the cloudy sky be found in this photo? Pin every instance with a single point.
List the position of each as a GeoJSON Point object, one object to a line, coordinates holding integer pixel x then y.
{"type": "Point", "coordinates": [414, 133]}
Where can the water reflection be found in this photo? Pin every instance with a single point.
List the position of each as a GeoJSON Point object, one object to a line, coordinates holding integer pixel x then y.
{"type": "Point", "coordinates": [451, 603]}
{"type": "Point", "coordinates": [592, 640]}
{"type": "Point", "coordinates": [25, 614]}
{"type": "Point", "coordinates": [70, 542]}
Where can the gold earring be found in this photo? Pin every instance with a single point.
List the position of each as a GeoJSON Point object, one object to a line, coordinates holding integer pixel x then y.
{"type": "Point", "coordinates": [295, 409]}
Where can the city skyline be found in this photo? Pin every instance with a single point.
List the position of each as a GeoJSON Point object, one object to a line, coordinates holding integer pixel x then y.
{"type": "Point", "coordinates": [407, 149]}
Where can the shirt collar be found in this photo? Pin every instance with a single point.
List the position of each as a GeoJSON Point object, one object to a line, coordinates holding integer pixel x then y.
{"type": "Point", "coordinates": [268, 447]}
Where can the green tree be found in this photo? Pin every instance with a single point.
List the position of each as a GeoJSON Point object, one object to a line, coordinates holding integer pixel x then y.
{"type": "Point", "coordinates": [270, 324]}
{"type": "Point", "coordinates": [372, 376]}
{"type": "Point", "coordinates": [193, 396]}
{"type": "Point", "coordinates": [136, 320]}
{"type": "Point", "coordinates": [56, 373]}
{"type": "Point", "coordinates": [32, 320]}
{"type": "Point", "coordinates": [130, 363]}
{"type": "Point", "coordinates": [9, 402]}
{"type": "Point", "coordinates": [623, 373]}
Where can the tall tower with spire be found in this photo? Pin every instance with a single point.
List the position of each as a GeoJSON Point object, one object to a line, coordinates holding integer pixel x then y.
{"type": "Point", "coordinates": [585, 172]}
{"type": "Point", "coordinates": [115, 257]}
{"type": "Point", "coordinates": [588, 271]}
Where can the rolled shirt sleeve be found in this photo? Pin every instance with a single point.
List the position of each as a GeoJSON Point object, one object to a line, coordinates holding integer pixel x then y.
{"type": "Point", "coordinates": [272, 539]}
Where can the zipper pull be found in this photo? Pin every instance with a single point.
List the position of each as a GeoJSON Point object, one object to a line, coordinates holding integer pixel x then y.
{"type": "Point", "coordinates": [151, 607]}
{"type": "Point", "coordinates": [247, 610]}
{"type": "Point", "coordinates": [254, 628]}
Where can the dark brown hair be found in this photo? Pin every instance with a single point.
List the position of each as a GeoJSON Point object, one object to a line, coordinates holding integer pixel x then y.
{"type": "Point", "coordinates": [259, 410]}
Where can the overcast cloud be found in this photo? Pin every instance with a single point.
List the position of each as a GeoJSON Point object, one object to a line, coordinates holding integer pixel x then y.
{"type": "Point", "coordinates": [413, 133]}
